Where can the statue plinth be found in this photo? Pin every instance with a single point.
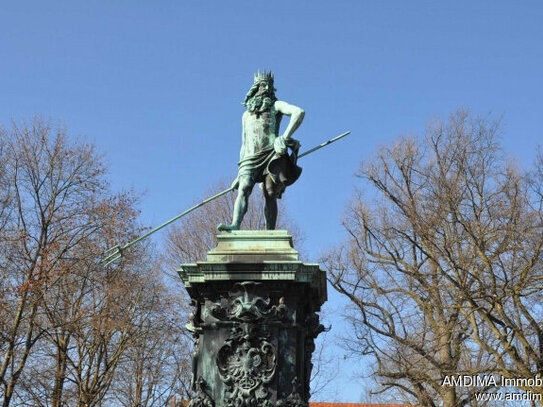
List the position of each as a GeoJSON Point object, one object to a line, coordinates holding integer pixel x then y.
{"type": "Point", "coordinates": [254, 322]}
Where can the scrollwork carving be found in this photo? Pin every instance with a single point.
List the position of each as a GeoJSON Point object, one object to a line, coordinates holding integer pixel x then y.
{"type": "Point", "coordinates": [201, 398]}
{"type": "Point", "coordinates": [246, 304]}
{"type": "Point", "coordinates": [193, 326]}
{"type": "Point", "coordinates": [313, 329]}
{"type": "Point", "coordinates": [246, 362]}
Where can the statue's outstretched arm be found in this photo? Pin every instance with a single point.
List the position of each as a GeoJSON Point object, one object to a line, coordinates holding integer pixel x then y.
{"type": "Point", "coordinates": [296, 116]}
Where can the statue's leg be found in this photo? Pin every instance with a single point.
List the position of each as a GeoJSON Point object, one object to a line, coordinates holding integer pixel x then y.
{"type": "Point", "coordinates": [246, 185]}
{"type": "Point", "coordinates": [270, 207]}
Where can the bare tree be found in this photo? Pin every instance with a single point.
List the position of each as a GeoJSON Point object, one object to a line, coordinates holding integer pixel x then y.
{"type": "Point", "coordinates": [443, 268]}
{"type": "Point", "coordinates": [325, 367]}
{"type": "Point", "coordinates": [51, 208]}
{"type": "Point", "coordinates": [157, 365]}
{"type": "Point", "coordinates": [71, 327]}
{"type": "Point", "coordinates": [120, 340]}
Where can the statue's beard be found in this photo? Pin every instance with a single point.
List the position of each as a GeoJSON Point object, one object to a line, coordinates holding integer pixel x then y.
{"type": "Point", "coordinates": [260, 103]}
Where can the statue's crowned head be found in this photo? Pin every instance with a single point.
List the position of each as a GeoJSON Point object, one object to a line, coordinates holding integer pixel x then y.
{"type": "Point", "coordinates": [264, 76]}
{"type": "Point", "coordinates": [261, 96]}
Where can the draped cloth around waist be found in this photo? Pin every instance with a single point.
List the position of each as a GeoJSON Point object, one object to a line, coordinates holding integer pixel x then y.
{"type": "Point", "coordinates": [282, 169]}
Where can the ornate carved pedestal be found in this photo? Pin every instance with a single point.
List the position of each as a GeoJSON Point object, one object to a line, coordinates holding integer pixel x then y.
{"type": "Point", "coordinates": [254, 321]}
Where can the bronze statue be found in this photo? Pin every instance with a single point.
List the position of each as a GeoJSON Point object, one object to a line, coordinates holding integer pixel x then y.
{"type": "Point", "coordinates": [264, 155]}
{"type": "Point", "coordinates": [264, 158]}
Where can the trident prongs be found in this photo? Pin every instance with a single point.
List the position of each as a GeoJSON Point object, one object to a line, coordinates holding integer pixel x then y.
{"type": "Point", "coordinates": [112, 254]}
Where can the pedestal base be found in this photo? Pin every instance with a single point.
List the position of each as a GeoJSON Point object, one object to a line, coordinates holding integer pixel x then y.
{"type": "Point", "coordinates": [254, 322]}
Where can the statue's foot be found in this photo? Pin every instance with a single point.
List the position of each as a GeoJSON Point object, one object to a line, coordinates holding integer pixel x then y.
{"type": "Point", "coordinates": [227, 228]}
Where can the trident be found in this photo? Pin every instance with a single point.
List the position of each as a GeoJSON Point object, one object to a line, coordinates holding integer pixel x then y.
{"type": "Point", "coordinates": [116, 252]}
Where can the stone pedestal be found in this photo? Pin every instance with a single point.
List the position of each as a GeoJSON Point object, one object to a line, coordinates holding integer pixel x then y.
{"type": "Point", "coordinates": [254, 321]}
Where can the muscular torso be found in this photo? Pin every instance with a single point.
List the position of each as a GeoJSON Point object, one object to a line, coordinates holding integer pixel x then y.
{"type": "Point", "coordinates": [260, 131]}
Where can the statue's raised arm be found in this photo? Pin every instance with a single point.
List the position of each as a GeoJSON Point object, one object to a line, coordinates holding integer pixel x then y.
{"type": "Point", "coordinates": [296, 116]}
{"type": "Point", "coordinates": [265, 155]}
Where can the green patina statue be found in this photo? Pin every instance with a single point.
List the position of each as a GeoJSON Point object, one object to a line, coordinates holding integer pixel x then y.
{"type": "Point", "coordinates": [265, 156]}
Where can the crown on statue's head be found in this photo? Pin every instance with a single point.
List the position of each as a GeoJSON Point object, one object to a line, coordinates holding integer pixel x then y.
{"type": "Point", "coordinates": [264, 76]}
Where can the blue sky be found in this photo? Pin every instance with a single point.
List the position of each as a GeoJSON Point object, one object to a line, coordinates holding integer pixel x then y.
{"type": "Point", "coordinates": [158, 87]}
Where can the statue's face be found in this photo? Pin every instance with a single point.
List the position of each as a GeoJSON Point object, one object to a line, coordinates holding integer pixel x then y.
{"type": "Point", "coordinates": [264, 88]}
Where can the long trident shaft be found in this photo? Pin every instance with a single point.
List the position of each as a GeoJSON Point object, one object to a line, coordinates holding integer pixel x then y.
{"type": "Point", "coordinates": [116, 252]}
